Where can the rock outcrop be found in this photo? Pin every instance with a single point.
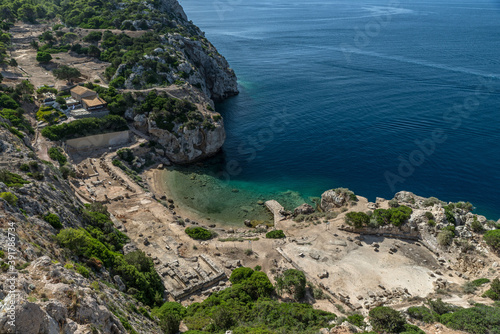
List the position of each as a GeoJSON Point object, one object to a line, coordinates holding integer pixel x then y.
{"type": "Point", "coordinates": [174, 7]}
{"type": "Point", "coordinates": [304, 209]}
{"type": "Point", "coordinates": [217, 78]}
{"type": "Point", "coordinates": [336, 198]}
{"type": "Point", "coordinates": [50, 297]}
{"type": "Point", "coordinates": [184, 146]}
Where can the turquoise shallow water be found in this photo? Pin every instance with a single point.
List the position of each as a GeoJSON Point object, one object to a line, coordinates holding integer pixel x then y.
{"type": "Point", "coordinates": [339, 93]}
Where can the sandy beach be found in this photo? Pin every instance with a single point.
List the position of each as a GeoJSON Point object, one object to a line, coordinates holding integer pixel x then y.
{"type": "Point", "coordinates": [156, 181]}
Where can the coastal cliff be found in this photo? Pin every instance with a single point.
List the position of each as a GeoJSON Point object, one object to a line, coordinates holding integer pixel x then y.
{"type": "Point", "coordinates": [188, 145]}
{"type": "Point", "coordinates": [190, 62]}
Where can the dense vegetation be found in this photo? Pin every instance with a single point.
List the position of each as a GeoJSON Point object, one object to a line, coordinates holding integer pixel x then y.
{"type": "Point", "coordinates": [167, 111]}
{"type": "Point", "coordinates": [85, 127]}
{"type": "Point", "coordinates": [88, 15]}
{"type": "Point", "coordinates": [199, 233]}
{"type": "Point", "coordinates": [49, 114]}
{"type": "Point", "coordinates": [9, 198]}
{"type": "Point", "coordinates": [118, 49]}
{"type": "Point", "coordinates": [396, 216]}
{"type": "Point", "coordinates": [479, 319]}
{"type": "Point", "coordinates": [11, 111]}
{"type": "Point", "coordinates": [276, 234]}
{"type": "Point", "coordinates": [492, 238]}
{"type": "Point", "coordinates": [494, 291]}
{"type": "Point", "coordinates": [99, 243]}
{"type": "Point", "coordinates": [293, 282]}
{"type": "Point", "coordinates": [56, 153]}
{"type": "Point", "coordinates": [11, 179]}
{"type": "Point", "coordinates": [53, 220]}
{"type": "Point", "coordinates": [248, 306]}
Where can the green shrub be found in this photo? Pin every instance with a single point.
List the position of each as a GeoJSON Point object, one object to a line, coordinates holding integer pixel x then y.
{"type": "Point", "coordinates": [65, 72]}
{"type": "Point", "coordinates": [12, 179]}
{"type": "Point", "coordinates": [492, 238]}
{"type": "Point", "coordinates": [385, 319]}
{"type": "Point", "coordinates": [55, 153]}
{"type": "Point", "coordinates": [48, 114]}
{"type": "Point", "coordinates": [85, 127]}
{"type": "Point", "coordinates": [476, 226]}
{"type": "Point", "coordinates": [480, 281]}
{"type": "Point", "coordinates": [422, 313]}
{"type": "Point", "coordinates": [43, 57]}
{"type": "Point", "coordinates": [445, 238]}
{"type": "Point", "coordinates": [293, 282]}
{"type": "Point", "coordinates": [412, 329]}
{"type": "Point", "coordinates": [450, 217]}
{"type": "Point", "coordinates": [199, 233]}
{"type": "Point", "coordinates": [61, 100]}
{"type": "Point", "coordinates": [356, 320]}
{"type": "Point", "coordinates": [240, 274]}
{"type": "Point", "coordinates": [494, 291]}
{"type": "Point", "coordinates": [480, 319]}
{"type": "Point", "coordinates": [431, 201]}
{"type": "Point", "coordinates": [276, 234]}
{"type": "Point", "coordinates": [393, 203]}
{"type": "Point", "coordinates": [93, 36]}
{"type": "Point", "coordinates": [469, 288]}
{"type": "Point", "coordinates": [126, 154]}
{"type": "Point", "coordinates": [9, 198]}
{"type": "Point", "coordinates": [170, 323]}
{"type": "Point", "coordinates": [53, 220]}
{"type": "Point", "coordinates": [439, 307]}
{"type": "Point", "coordinates": [118, 82]}
{"type": "Point", "coordinates": [467, 206]}
{"type": "Point", "coordinates": [82, 270]}
{"type": "Point", "coordinates": [357, 219]}
{"type": "Point", "coordinates": [429, 215]}
{"type": "Point", "coordinates": [395, 216]}
{"type": "Point", "coordinates": [136, 270]}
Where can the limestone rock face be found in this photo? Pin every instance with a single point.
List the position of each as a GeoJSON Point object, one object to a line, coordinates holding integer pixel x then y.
{"type": "Point", "coordinates": [333, 199]}
{"type": "Point", "coordinates": [174, 7]}
{"type": "Point", "coordinates": [218, 78]}
{"type": "Point", "coordinates": [184, 146]}
{"type": "Point", "coordinates": [304, 209]}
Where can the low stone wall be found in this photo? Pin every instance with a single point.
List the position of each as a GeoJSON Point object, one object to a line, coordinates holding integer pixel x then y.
{"type": "Point", "coordinates": [102, 140]}
{"type": "Point", "coordinates": [388, 231]}
{"type": "Point", "coordinates": [82, 113]}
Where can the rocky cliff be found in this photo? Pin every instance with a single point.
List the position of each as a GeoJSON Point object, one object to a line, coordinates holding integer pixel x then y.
{"type": "Point", "coordinates": [173, 6]}
{"type": "Point", "coordinates": [184, 146]}
{"type": "Point", "coordinates": [191, 63]}
{"type": "Point", "coordinates": [40, 282]}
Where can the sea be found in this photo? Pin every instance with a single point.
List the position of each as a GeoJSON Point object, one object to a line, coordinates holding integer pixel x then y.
{"type": "Point", "coordinates": [372, 95]}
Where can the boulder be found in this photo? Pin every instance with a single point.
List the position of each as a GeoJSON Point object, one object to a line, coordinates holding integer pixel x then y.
{"type": "Point", "coordinates": [57, 311]}
{"type": "Point", "coordinates": [304, 209]}
{"type": "Point", "coordinates": [119, 283]}
{"type": "Point", "coordinates": [314, 256]}
{"type": "Point", "coordinates": [323, 274]}
{"type": "Point", "coordinates": [335, 198]}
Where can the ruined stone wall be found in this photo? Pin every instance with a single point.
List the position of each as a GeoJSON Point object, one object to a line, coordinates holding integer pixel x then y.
{"type": "Point", "coordinates": [96, 141]}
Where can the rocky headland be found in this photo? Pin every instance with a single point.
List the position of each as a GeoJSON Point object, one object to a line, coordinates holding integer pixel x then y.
{"type": "Point", "coordinates": [91, 242]}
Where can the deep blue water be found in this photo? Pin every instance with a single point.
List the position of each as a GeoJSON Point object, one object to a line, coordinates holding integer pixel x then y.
{"type": "Point", "coordinates": [356, 83]}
